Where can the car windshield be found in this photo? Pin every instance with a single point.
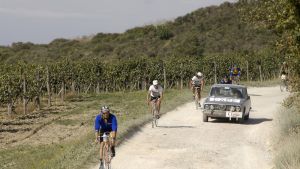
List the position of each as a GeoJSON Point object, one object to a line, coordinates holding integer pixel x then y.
{"type": "Point", "coordinates": [226, 91]}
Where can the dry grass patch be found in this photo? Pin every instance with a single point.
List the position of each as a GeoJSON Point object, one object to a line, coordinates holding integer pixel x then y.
{"type": "Point", "coordinates": [287, 134]}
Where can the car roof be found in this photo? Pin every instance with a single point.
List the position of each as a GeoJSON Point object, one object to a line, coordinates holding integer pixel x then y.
{"type": "Point", "coordinates": [229, 85]}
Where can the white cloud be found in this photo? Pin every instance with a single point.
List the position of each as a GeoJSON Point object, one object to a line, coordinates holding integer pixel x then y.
{"type": "Point", "coordinates": [22, 12]}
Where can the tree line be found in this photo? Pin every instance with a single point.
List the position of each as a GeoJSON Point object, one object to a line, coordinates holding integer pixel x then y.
{"type": "Point", "coordinates": [26, 83]}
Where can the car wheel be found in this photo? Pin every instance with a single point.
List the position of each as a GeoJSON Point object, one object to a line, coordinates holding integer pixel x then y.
{"type": "Point", "coordinates": [247, 116]}
{"type": "Point", "coordinates": [205, 118]}
{"type": "Point", "coordinates": [241, 120]}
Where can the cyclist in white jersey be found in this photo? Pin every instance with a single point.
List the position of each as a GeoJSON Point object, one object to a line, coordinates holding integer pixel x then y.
{"type": "Point", "coordinates": [197, 81]}
{"type": "Point", "coordinates": [155, 92]}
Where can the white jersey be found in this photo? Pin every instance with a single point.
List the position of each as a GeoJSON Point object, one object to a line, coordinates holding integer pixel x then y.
{"type": "Point", "coordinates": [155, 92]}
{"type": "Point", "coordinates": [196, 81]}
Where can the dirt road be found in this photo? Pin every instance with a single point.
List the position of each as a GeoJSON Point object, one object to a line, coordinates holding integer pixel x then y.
{"type": "Point", "coordinates": [183, 141]}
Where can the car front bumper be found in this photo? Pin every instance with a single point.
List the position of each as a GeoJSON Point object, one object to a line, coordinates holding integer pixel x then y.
{"type": "Point", "coordinates": [223, 114]}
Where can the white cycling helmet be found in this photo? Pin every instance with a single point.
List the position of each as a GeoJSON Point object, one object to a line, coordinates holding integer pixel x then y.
{"type": "Point", "coordinates": [155, 82]}
{"type": "Point", "coordinates": [105, 109]}
{"type": "Point", "coordinates": [199, 74]}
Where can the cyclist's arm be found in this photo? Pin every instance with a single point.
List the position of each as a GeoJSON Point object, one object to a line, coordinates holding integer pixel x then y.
{"type": "Point", "coordinates": [114, 127]}
{"type": "Point", "coordinates": [97, 126]}
{"type": "Point", "coordinates": [202, 84]}
{"type": "Point", "coordinates": [161, 95]}
{"type": "Point", "coordinates": [191, 85]}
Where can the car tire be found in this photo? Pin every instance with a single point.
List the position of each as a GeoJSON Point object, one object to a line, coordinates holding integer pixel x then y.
{"type": "Point", "coordinates": [205, 118]}
{"type": "Point", "coordinates": [241, 120]}
{"type": "Point", "coordinates": [247, 116]}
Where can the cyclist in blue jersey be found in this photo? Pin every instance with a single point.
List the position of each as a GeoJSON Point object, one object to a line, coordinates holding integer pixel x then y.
{"type": "Point", "coordinates": [106, 122]}
{"type": "Point", "coordinates": [235, 73]}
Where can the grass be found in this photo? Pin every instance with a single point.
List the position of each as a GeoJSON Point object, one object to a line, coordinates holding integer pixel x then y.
{"type": "Point", "coordinates": [266, 83]}
{"type": "Point", "coordinates": [287, 135]}
{"type": "Point", "coordinates": [131, 111]}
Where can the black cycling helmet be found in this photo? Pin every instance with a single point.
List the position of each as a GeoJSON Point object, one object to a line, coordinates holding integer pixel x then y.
{"type": "Point", "coordinates": [104, 109]}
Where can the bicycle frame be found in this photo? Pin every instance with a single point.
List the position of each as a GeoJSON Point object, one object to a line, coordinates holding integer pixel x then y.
{"type": "Point", "coordinates": [106, 150]}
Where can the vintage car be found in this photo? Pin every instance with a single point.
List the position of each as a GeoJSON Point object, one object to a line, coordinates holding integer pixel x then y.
{"type": "Point", "coordinates": [227, 101]}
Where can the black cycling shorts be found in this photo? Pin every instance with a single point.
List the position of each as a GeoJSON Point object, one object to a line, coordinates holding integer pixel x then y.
{"type": "Point", "coordinates": [154, 98]}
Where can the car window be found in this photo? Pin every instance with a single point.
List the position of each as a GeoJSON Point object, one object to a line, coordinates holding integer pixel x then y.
{"type": "Point", "coordinates": [227, 92]}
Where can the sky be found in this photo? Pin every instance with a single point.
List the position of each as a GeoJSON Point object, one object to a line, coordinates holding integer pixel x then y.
{"type": "Point", "coordinates": [41, 21]}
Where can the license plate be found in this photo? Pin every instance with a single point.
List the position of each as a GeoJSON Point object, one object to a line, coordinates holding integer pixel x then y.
{"type": "Point", "coordinates": [234, 114]}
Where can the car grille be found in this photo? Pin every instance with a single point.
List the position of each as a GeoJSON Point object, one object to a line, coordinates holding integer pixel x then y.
{"type": "Point", "coordinates": [222, 107]}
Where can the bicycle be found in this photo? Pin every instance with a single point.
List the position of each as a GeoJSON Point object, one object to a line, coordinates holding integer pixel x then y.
{"type": "Point", "coordinates": [283, 84]}
{"type": "Point", "coordinates": [154, 113]}
{"type": "Point", "coordinates": [106, 150]}
{"type": "Point", "coordinates": [197, 97]}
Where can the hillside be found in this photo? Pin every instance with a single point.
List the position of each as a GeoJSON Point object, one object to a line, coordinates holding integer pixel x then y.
{"type": "Point", "coordinates": [215, 29]}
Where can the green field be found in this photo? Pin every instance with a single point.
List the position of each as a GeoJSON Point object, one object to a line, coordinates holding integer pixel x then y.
{"type": "Point", "coordinates": [132, 113]}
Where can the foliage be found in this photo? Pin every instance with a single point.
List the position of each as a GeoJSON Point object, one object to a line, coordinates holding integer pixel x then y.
{"type": "Point", "coordinates": [284, 17]}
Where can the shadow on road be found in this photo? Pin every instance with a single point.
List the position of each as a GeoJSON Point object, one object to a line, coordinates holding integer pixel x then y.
{"type": "Point", "coordinates": [176, 126]}
{"type": "Point", "coordinates": [250, 121]}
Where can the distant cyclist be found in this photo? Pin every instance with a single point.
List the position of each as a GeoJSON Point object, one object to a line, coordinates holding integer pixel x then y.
{"type": "Point", "coordinates": [106, 122]}
{"type": "Point", "coordinates": [235, 73]}
{"type": "Point", "coordinates": [226, 80]}
{"type": "Point", "coordinates": [284, 69]}
{"type": "Point", "coordinates": [197, 81]}
{"type": "Point", "coordinates": [155, 93]}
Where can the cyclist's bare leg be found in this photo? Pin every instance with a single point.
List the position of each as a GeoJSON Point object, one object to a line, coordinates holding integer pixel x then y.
{"type": "Point", "coordinates": [193, 90]}
{"type": "Point", "coordinates": [150, 106]}
{"type": "Point", "coordinates": [158, 106]}
{"type": "Point", "coordinates": [101, 151]}
{"type": "Point", "coordinates": [113, 142]}
{"type": "Point", "coordinates": [199, 94]}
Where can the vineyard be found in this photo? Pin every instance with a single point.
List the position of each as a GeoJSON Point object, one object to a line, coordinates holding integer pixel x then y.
{"type": "Point", "coordinates": [29, 83]}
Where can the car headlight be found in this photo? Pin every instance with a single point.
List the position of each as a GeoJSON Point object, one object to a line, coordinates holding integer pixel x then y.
{"type": "Point", "coordinates": [232, 108]}
{"type": "Point", "coordinates": [206, 107]}
{"type": "Point", "coordinates": [238, 108]}
{"type": "Point", "coordinates": [211, 107]}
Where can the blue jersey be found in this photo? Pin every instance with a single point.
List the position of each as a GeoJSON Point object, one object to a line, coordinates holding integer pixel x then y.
{"type": "Point", "coordinates": [111, 124]}
{"type": "Point", "coordinates": [235, 72]}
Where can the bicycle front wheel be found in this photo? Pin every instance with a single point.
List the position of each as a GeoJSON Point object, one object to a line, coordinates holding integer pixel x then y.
{"type": "Point", "coordinates": [107, 156]}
